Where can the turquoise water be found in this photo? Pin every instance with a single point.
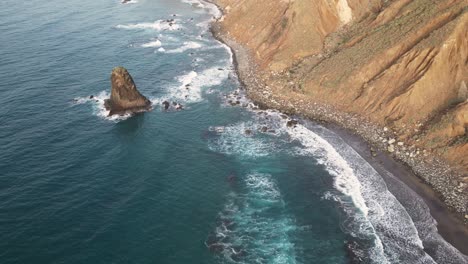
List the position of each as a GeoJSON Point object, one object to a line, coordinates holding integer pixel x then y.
{"type": "Point", "coordinates": [213, 183]}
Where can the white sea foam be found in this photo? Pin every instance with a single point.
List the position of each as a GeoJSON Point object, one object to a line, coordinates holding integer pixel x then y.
{"type": "Point", "coordinates": [130, 2]}
{"type": "Point", "coordinates": [98, 106]}
{"type": "Point", "coordinates": [153, 44]}
{"type": "Point", "coordinates": [247, 232]}
{"type": "Point", "coordinates": [209, 7]}
{"type": "Point", "coordinates": [241, 140]}
{"type": "Point", "coordinates": [161, 49]}
{"type": "Point", "coordinates": [383, 217]}
{"type": "Point", "coordinates": [189, 45]}
{"type": "Point", "coordinates": [191, 86]}
{"type": "Point", "coordinates": [158, 25]}
{"type": "Point", "coordinates": [345, 180]}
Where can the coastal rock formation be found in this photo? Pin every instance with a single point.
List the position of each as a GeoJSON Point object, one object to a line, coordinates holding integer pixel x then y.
{"type": "Point", "coordinates": [389, 70]}
{"type": "Point", "coordinates": [125, 98]}
{"type": "Point", "coordinates": [400, 64]}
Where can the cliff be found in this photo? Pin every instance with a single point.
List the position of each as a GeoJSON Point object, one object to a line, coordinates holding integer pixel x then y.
{"type": "Point", "coordinates": [398, 65]}
{"type": "Point", "coordinates": [402, 64]}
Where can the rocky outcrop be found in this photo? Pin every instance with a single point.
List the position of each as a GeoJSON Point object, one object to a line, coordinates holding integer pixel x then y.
{"type": "Point", "coordinates": [125, 98]}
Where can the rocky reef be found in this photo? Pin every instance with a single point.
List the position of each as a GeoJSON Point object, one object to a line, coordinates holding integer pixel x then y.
{"type": "Point", "coordinates": [125, 98]}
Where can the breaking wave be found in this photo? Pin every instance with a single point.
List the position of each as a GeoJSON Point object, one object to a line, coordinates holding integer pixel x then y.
{"type": "Point", "coordinates": [254, 226]}
{"type": "Point", "coordinates": [97, 102]}
{"type": "Point", "coordinates": [189, 45]}
{"type": "Point", "coordinates": [191, 85]}
{"type": "Point", "coordinates": [153, 44]}
{"type": "Point", "coordinates": [240, 140]}
{"type": "Point", "coordinates": [158, 25]}
{"type": "Point", "coordinates": [209, 7]}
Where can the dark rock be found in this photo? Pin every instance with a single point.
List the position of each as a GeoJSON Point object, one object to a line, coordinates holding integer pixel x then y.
{"type": "Point", "coordinates": [125, 98]}
{"type": "Point", "coordinates": [292, 123]}
{"type": "Point", "coordinates": [166, 105]}
{"type": "Point", "coordinates": [125, 1]}
{"type": "Point", "coordinates": [248, 132]}
{"type": "Point", "coordinates": [91, 96]}
{"type": "Point", "coordinates": [264, 129]}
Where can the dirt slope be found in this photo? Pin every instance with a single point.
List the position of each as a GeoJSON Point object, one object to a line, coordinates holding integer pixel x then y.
{"type": "Point", "coordinates": [400, 64]}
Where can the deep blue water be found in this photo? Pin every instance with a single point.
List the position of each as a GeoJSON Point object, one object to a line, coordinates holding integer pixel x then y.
{"type": "Point", "coordinates": [208, 184]}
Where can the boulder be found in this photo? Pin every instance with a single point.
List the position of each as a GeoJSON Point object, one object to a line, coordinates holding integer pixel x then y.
{"type": "Point", "coordinates": [125, 98]}
{"type": "Point", "coordinates": [166, 105]}
{"type": "Point", "coordinates": [292, 123]}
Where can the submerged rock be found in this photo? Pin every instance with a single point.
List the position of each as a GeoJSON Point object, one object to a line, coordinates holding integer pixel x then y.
{"type": "Point", "coordinates": [125, 98]}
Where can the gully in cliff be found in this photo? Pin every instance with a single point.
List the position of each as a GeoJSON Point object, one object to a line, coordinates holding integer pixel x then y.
{"type": "Point", "coordinates": [125, 97]}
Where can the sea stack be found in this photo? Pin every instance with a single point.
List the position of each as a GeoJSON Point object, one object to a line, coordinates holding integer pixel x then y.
{"type": "Point", "coordinates": [125, 98]}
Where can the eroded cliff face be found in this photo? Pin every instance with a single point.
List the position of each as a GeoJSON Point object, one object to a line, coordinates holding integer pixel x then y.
{"type": "Point", "coordinates": [282, 32]}
{"type": "Point", "coordinates": [402, 64]}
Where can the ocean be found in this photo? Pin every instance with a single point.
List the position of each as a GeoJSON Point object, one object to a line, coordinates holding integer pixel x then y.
{"type": "Point", "coordinates": [220, 181]}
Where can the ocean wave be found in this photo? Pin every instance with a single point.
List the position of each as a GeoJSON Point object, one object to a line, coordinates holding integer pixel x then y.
{"type": "Point", "coordinates": [191, 86]}
{"type": "Point", "coordinates": [381, 224]}
{"type": "Point", "coordinates": [247, 232]}
{"type": "Point", "coordinates": [189, 45]}
{"type": "Point", "coordinates": [156, 25]}
{"type": "Point", "coordinates": [209, 7]}
{"type": "Point", "coordinates": [241, 140]}
{"type": "Point", "coordinates": [130, 2]}
{"type": "Point", "coordinates": [152, 44]}
{"type": "Point", "coordinates": [99, 109]}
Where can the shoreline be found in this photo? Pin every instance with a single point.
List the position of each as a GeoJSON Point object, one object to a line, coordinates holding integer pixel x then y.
{"type": "Point", "coordinates": [445, 205]}
{"type": "Point", "coordinates": [449, 226]}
